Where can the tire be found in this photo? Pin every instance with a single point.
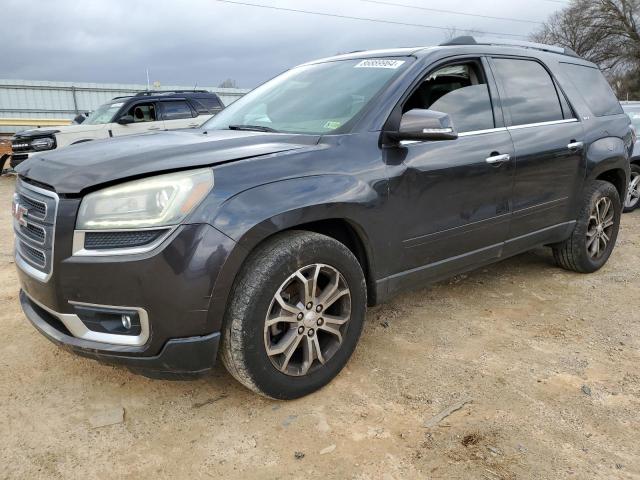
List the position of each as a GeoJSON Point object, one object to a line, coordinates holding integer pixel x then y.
{"type": "Point", "coordinates": [633, 195]}
{"type": "Point", "coordinates": [573, 254]}
{"type": "Point", "coordinates": [271, 269]}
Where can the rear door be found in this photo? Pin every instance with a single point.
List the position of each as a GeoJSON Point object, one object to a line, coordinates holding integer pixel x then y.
{"type": "Point", "coordinates": [548, 141]}
{"type": "Point", "coordinates": [178, 114]}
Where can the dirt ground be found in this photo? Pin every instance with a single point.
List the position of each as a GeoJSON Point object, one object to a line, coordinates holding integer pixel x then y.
{"type": "Point", "coordinates": [549, 359]}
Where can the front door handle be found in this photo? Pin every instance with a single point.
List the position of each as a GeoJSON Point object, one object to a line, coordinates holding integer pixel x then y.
{"type": "Point", "coordinates": [574, 146]}
{"type": "Point", "coordinates": [154, 128]}
{"type": "Point", "coordinates": [498, 159]}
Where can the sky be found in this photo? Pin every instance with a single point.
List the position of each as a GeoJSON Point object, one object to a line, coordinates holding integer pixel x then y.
{"type": "Point", "coordinates": [208, 41]}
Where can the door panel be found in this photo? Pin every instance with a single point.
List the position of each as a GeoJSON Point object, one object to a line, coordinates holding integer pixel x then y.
{"type": "Point", "coordinates": [548, 174]}
{"type": "Point", "coordinates": [549, 151]}
{"type": "Point", "coordinates": [178, 114]}
{"type": "Point", "coordinates": [146, 118]}
{"type": "Point", "coordinates": [451, 202]}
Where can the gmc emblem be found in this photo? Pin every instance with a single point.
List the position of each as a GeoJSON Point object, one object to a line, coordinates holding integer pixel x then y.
{"type": "Point", "coordinates": [19, 213]}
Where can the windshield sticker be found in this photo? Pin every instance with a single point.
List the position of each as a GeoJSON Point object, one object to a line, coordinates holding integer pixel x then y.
{"type": "Point", "coordinates": [332, 125]}
{"type": "Point", "coordinates": [379, 63]}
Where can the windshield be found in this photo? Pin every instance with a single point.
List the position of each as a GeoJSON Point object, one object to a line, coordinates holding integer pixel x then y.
{"type": "Point", "coordinates": [103, 114]}
{"type": "Point", "coordinates": [634, 115]}
{"type": "Point", "coordinates": [312, 99]}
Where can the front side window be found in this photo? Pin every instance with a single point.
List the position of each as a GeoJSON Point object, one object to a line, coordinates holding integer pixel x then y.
{"type": "Point", "coordinates": [461, 92]}
{"type": "Point", "coordinates": [175, 110]}
{"type": "Point", "coordinates": [531, 95]}
{"type": "Point", "coordinates": [315, 99]}
{"type": "Point", "coordinates": [143, 112]}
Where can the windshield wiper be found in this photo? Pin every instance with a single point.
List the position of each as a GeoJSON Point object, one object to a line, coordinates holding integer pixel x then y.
{"type": "Point", "coordinates": [255, 128]}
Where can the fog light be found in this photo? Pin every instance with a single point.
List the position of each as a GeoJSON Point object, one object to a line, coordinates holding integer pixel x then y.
{"type": "Point", "coordinates": [107, 320]}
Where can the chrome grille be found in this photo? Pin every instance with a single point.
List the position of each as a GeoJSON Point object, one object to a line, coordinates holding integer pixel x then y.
{"type": "Point", "coordinates": [34, 219]}
{"type": "Point", "coordinates": [34, 232]}
{"type": "Point", "coordinates": [36, 208]}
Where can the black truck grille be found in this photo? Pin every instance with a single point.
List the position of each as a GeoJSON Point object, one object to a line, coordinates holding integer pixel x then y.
{"type": "Point", "coordinates": [34, 224]}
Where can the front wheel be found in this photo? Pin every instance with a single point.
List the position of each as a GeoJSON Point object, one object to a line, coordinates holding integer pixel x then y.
{"type": "Point", "coordinates": [295, 316]}
{"type": "Point", "coordinates": [633, 194]}
{"type": "Point", "coordinates": [595, 233]}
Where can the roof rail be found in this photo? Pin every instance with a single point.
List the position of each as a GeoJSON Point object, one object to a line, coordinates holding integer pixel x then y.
{"type": "Point", "coordinates": [164, 92]}
{"type": "Point", "coordinates": [469, 40]}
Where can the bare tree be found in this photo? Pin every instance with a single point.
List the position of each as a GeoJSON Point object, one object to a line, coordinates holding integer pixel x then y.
{"type": "Point", "coordinates": [228, 83]}
{"type": "Point", "coordinates": [582, 28]}
{"type": "Point", "coordinates": [604, 32]}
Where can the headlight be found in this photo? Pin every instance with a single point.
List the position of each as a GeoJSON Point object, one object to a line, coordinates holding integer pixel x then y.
{"type": "Point", "coordinates": [45, 143]}
{"type": "Point", "coordinates": [158, 201]}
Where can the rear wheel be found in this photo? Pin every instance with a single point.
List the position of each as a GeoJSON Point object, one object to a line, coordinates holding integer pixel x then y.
{"type": "Point", "coordinates": [296, 314]}
{"type": "Point", "coordinates": [633, 194]}
{"type": "Point", "coordinates": [595, 232]}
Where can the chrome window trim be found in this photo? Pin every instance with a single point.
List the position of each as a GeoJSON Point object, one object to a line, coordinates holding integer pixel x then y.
{"type": "Point", "coordinates": [482, 132]}
{"type": "Point", "coordinates": [22, 262]}
{"type": "Point", "coordinates": [498, 129]}
{"type": "Point", "coordinates": [542, 124]}
{"type": "Point", "coordinates": [79, 250]}
{"type": "Point", "coordinates": [74, 324]}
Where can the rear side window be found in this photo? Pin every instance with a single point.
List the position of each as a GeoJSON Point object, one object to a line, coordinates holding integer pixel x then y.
{"type": "Point", "coordinates": [594, 88]}
{"type": "Point", "coordinates": [176, 109]}
{"type": "Point", "coordinates": [531, 95]}
{"type": "Point", "coordinates": [206, 104]}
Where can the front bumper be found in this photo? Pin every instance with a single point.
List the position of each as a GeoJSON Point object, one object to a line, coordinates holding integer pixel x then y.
{"type": "Point", "coordinates": [179, 358]}
{"type": "Point", "coordinates": [180, 285]}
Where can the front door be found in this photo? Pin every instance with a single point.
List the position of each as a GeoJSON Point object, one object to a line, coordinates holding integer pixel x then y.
{"type": "Point", "coordinates": [145, 117]}
{"type": "Point", "coordinates": [453, 196]}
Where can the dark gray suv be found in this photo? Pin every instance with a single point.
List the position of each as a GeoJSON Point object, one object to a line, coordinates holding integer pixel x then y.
{"type": "Point", "coordinates": [266, 233]}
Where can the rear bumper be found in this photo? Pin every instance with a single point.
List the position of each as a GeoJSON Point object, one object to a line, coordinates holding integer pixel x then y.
{"type": "Point", "coordinates": [179, 357]}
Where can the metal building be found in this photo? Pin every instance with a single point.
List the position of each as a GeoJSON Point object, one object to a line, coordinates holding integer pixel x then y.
{"type": "Point", "coordinates": [28, 104]}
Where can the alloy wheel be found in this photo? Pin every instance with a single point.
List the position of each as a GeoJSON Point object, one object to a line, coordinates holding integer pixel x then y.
{"type": "Point", "coordinates": [307, 319]}
{"type": "Point", "coordinates": [600, 227]}
{"type": "Point", "coordinates": [633, 194]}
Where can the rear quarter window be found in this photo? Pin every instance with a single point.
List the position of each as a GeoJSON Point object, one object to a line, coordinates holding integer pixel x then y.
{"type": "Point", "coordinates": [594, 88]}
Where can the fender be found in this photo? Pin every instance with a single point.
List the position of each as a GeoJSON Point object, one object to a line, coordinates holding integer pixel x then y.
{"type": "Point", "coordinates": [605, 155]}
{"type": "Point", "coordinates": [255, 214]}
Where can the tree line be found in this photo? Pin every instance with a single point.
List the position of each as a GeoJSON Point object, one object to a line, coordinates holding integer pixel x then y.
{"type": "Point", "coordinates": [604, 32]}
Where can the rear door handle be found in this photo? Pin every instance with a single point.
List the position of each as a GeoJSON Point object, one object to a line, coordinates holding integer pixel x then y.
{"type": "Point", "coordinates": [154, 128]}
{"type": "Point", "coordinates": [193, 125]}
{"type": "Point", "coordinates": [498, 159]}
{"type": "Point", "coordinates": [575, 146]}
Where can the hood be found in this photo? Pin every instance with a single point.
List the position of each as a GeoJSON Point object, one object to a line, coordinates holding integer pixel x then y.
{"type": "Point", "coordinates": [46, 131]}
{"type": "Point", "coordinates": [78, 167]}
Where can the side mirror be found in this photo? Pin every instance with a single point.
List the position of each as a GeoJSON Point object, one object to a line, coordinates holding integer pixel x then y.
{"type": "Point", "coordinates": [125, 120]}
{"type": "Point", "coordinates": [420, 124]}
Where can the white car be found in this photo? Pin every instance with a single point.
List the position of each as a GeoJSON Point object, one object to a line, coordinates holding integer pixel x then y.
{"type": "Point", "coordinates": [144, 112]}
